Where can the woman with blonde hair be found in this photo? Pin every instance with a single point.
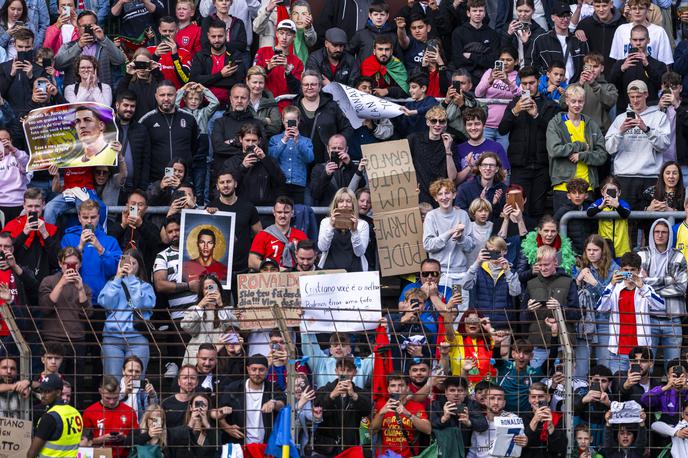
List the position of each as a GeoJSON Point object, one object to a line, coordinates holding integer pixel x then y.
{"type": "Point", "coordinates": [151, 440]}
{"type": "Point", "coordinates": [262, 101]}
{"type": "Point", "coordinates": [343, 237]}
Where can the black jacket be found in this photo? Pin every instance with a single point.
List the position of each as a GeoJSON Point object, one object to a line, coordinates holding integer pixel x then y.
{"type": "Point", "coordinates": [144, 90]}
{"type": "Point", "coordinates": [527, 135]}
{"type": "Point", "coordinates": [328, 120]}
{"type": "Point", "coordinates": [341, 415]}
{"type": "Point", "coordinates": [146, 237]}
{"type": "Point", "coordinates": [237, 34]}
{"type": "Point", "coordinates": [137, 137]}
{"type": "Point", "coordinates": [324, 186]}
{"type": "Point", "coordinates": [547, 49]}
{"type": "Point", "coordinates": [467, 36]}
{"type": "Point", "coordinates": [579, 229]}
{"type": "Point", "coordinates": [475, 415]}
{"type": "Point", "coordinates": [226, 128]}
{"type": "Point", "coordinates": [260, 184]}
{"type": "Point", "coordinates": [237, 401]}
{"type": "Point", "coordinates": [553, 447]}
{"type": "Point", "coordinates": [202, 66]}
{"type": "Point", "coordinates": [346, 72]}
{"type": "Point", "coordinates": [170, 135]}
{"type": "Point", "coordinates": [651, 75]}
{"type": "Point", "coordinates": [430, 161]}
{"type": "Point", "coordinates": [600, 35]}
{"type": "Point", "coordinates": [17, 89]}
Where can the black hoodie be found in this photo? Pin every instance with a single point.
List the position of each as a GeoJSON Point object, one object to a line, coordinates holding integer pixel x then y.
{"type": "Point", "coordinates": [600, 35]}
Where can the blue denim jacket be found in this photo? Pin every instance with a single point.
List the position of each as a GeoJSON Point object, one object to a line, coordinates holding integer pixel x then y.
{"type": "Point", "coordinates": [293, 158]}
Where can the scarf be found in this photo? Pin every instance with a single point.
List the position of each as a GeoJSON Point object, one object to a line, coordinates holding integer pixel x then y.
{"type": "Point", "coordinates": [566, 256]}
{"type": "Point", "coordinates": [299, 47]}
{"type": "Point", "coordinates": [16, 227]}
{"type": "Point", "coordinates": [544, 436]}
{"type": "Point", "coordinates": [394, 69]}
{"type": "Point", "coordinates": [288, 259]}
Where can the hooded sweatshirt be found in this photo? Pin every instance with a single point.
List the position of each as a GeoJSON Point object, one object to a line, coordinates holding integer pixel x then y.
{"type": "Point", "coordinates": [666, 272]}
{"type": "Point", "coordinates": [637, 153]}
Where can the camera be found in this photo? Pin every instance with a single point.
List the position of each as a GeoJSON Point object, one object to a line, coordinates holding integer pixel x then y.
{"type": "Point", "coordinates": [494, 254]}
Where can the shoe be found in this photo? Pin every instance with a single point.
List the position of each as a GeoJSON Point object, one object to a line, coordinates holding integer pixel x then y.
{"type": "Point", "coordinates": [171, 371]}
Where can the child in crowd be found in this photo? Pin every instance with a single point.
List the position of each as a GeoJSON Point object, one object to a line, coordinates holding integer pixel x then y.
{"type": "Point", "coordinates": [361, 44]}
{"type": "Point", "coordinates": [480, 212]}
{"type": "Point", "coordinates": [577, 200]}
{"type": "Point", "coordinates": [189, 35]}
{"type": "Point", "coordinates": [667, 399]}
{"type": "Point", "coordinates": [600, 96]}
{"type": "Point", "coordinates": [626, 440]}
{"type": "Point", "coordinates": [616, 231]}
{"type": "Point", "coordinates": [414, 112]}
{"type": "Point", "coordinates": [553, 84]}
{"type": "Point", "coordinates": [583, 443]}
{"type": "Point", "coordinates": [593, 405]}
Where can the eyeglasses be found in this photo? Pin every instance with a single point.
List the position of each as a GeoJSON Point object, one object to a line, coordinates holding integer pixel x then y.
{"type": "Point", "coordinates": [437, 121]}
{"type": "Point", "coordinates": [488, 166]}
{"type": "Point", "coordinates": [310, 84]}
{"type": "Point", "coordinates": [433, 274]}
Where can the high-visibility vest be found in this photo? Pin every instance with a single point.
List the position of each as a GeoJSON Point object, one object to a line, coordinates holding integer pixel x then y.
{"type": "Point", "coordinates": [67, 445]}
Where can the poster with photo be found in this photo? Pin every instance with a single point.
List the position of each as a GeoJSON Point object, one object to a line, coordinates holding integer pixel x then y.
{"type": "Point", "coordinates": [206, 242]}
{"type": "Point", "coordinates": [71, 135]}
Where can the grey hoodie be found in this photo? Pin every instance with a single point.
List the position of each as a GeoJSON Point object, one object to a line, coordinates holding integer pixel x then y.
{"type": "Point", "coordinates": [636, 153]}
{"type": "Point", "coordinates": [666, 272]}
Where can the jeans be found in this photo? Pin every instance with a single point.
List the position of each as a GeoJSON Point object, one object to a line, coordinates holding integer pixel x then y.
{"type": "Point", "coordinates": [540, 355]}
{"type": "Point", "coordinates": [116, 349]}
{"type": "Point", "coordinates": [602, 353]}
{"type": "Point", "coordinates": [666, 334]}
{"type": "Point", "coordinates": [618, 363]}
{"type": "Point", "coordinates": [492, 133]}
{"type": "Point", "coordinates": [582, 352]}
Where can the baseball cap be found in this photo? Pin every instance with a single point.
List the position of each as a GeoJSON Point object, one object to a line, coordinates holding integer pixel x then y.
{"type": "Point", "coordinates": [561, 9]}
{"type": "Point", "coordinates": [50, 382]}
{"type": "Point", "coordinates": [287, 24]}
{"type": "Point", "coordinates": [336, 36]}
{"type": "Point", "coordinates": [269, 261]}
{"type": "Point", "coordinates": [637, 85]}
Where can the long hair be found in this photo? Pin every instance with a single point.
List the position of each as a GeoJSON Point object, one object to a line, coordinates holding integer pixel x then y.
{"type": "Point", "coordinates": [92, 60]}
{"type": "Point", "coordinates": [201, 295]}
{"type": "Point", "coordinates": [341, 192]}
{"type": "Point", "coordinates": [189, 408]}
{"type": "Point", "coordinates": [142, 273]}
{"type": "Point", "coordinates": [500, 174]}
{"type": "Point", "coordinates": [606, 258]}
{"type": "Point", "coordinates": [152, 409]}
{"type": "Point", "coordinates": [660, 187]}
{"type": "Point", "coordinates": [4, 11]}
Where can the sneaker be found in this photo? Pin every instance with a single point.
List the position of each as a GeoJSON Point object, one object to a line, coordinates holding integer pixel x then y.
{"type": "Point", "coordinates": [171, 371]}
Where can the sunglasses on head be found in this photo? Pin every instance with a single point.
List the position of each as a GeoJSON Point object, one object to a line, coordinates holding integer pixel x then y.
{"type": "Point", "coordinates": [437, 121]}
{"type": "Point", "coordinates": [432, 274]}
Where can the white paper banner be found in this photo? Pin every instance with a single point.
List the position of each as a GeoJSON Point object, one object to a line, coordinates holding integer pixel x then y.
{"type": "Point", "coordinates": [358, 105]}
{"type": "Point", "coordinates": [343, 302]}
{"type": "Point", "coordinates": [506, 428]}
{"type": "Point", "coordinates": [625, 412]}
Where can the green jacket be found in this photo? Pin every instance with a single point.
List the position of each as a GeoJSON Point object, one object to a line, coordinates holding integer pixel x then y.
{"type": "Point", "coordinates": [560, 147]}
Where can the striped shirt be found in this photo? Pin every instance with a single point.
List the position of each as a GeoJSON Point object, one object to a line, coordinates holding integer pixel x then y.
{"type": "Point", "coordinates": [168, 260]}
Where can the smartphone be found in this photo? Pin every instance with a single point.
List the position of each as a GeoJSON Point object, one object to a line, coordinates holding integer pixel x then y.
{"type": "Point", "coordinates": [250, 149]}
{"type": "Point", "coordinates": [595, 386]}
{"type": "Point", "coordinates": [42, 85]}
{"type": "Point", "coordinates": [611, 193]}
{"type": "Point", "coordinates": [169, 172]}
{"type": "Point", "coordinates": [632, 50]}
{"type": "Point", "coordinates": [559, 368]}
{"type": "Point", "coordinates": [456, 289]}
{"type": "Point", "coordinates": [494, 254]}
{"type": "Point", "coordinates": [630, 114]}
{"type": "Point", "coordinates": [542, 404]}
{"type": "Point", "coordinates": [72, 266]}
{"type": "Point", "coordinates": [67, 10]}
{"type": "Point", "coordinates": [88, 29]}
{"type": "Point", "coordinates": [2, 255]}
{"type": "Point", "coordinates": [415, 304]}
{"type": "Point", "coordinates": [395, 396]}
{"type": "Point", "coordinates": [291, 123]}
{"type": "Point", "coordinates": [212, 288]}
{"type": "Point", "coordinates": [278, 52]}
{"type": "Point", "coordinates": [157, 422]}
{"type": "Point", "coordinates": [25, 56]}
{"type": "Point", "coordinates": [90, 227]}
{"type": "Point", "coordinates": [134, 211]}
{"type": "Point", "coordinates": [587, 68]}
{"type": "Point", "coordinates": [141, 65]}
{"type": "Point", "coordinates": [275, 347]}
{"type": "Point", "coordinates": [460, 408]}
{"type": "Point", "coordinates": [32, 217]}
{"type": "Point", "coordinates": [627, 275]}
{"type": "Point", "coordinates": [635, 369]}
{"type": "Point", "coordinates": [677, 370]}
{"type": "Point", "coordinates": [19, 24]}
{"type": "Point", "coordinates": [199, 404]}
{"type": "Point", "coordinates": [457, 86]}
{"type": "Point", "coordinates": [525, 95]}
{"type": "Point", "coordinates": [343, 378]}
{"type": "Point", "coordinates": [178, 195]}
{"type": "Point", "coordinates": [136, 383]}
{"type": "Point", "coordinates": [45, 63]}
{"type": "Point", "coordinates": [231, 338]}
{"type": "Point", "coordinates": [499, 66]}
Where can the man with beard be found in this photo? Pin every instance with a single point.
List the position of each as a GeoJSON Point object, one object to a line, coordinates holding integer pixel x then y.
{"type": "Point", "coordinates": [306, 255]}
{"type": "Point", "coordinates": [637, 380]}
{"type": "Point", "coordinates": [178, 294]}
{"type": "Point", "coordinates": [205, 263]}
{"type": "Point", "coordinates": [218, 69]}
{"type": "Point", "coordinates": [11, 389]}
{"type": "Point", "coordinates": [455, 409]}
{"type": "Point", "coordinates": [172, 133]}
{"type": "Point", "coordinates": [174, 62]}
{"type": "Point", "coordinates": [133, 137]}
{"type": "Point", "coordinates": [255, 402]}
{"type": "Point", "coordinates": [175, 406]}
{"type": "Point", "coordinates": [387, 71]}
{"type": "Point", "coordinates": [332, 62]}
{"type": "Point", "coordinates": [246, 225]}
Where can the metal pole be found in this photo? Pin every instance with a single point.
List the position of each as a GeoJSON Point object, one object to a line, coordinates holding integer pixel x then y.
{"type": "Point", "coordinates": [291, 356]}
{"type": "Point", "coordinates": [568, 372]}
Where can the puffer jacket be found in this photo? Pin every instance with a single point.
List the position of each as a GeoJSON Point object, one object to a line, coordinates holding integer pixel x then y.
{"type": "Point", "coordinates": [493, 298]}
{"type": "Point", "coordinates": [559, 146]}
{"type": "Point", "coordinates": [527, 135]}
{"type": "Point", "coordinates": [120, 314]}
{"type": "Point", "coordinates": [346, 72]}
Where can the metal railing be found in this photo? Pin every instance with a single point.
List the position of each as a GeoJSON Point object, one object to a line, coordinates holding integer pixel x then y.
{"type": "Point", "coordinates": [669, 216]}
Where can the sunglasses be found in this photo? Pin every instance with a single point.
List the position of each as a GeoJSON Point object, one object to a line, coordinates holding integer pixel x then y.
{"type": "Point", "coordinates": [100, 172]}
{"type": "Point", "coordinates": [432, 274]}
{"type": "Point", "coordinates": [437, 121]}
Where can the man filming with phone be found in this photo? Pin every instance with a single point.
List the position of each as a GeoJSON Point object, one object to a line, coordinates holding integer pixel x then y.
{"type": "Point", "coordinates": [543, 427]}
{"type": "Point", "coordinates": [175, 62]}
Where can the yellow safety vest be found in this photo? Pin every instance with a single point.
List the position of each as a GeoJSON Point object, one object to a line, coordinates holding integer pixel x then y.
{"type": "Point", "coordinates": [67, 445]}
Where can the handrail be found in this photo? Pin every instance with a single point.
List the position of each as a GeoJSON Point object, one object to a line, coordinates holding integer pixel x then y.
{"type": "Point", "coordinates": [163, 210]}
{"type": "Point", "coordinates": [670, 216]}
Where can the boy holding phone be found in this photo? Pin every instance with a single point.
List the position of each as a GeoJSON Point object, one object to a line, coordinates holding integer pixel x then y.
{"type": "Point", "coordinates": [667, 398]}
{"type": "Point", "coordinates": [175, 62]}
{"type": "Point", "coordinates": [594, 404]}
{"type": "Point", "coordinates": [543, 426]}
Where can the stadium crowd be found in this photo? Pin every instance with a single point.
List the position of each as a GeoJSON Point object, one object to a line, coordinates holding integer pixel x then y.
{"type": "Point", "coordinates": [516, 112]}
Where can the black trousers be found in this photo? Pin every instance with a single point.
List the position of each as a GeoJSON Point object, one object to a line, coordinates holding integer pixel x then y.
{"type": "Point", "coordinates": [535, 182]}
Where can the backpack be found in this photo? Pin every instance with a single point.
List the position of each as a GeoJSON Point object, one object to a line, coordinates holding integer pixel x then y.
{"type": "Point", "coordinates": [586, 325]}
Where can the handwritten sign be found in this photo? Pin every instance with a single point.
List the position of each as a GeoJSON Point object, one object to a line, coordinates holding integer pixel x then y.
{"type": "Point", "coordinates": [260, 292]}
{"type": "Point", "coordinates": [506, 429]}
{"type": "Point", "coordinates": [15, 437]}
{"type": "Point", "coordinates": [398, 225]}
{"type": "Point", "coordinates": [625, 412]}
{"type": "Point", "coordinates": [358, 105]}
{"type": "Point", "coordinates": [343, 302]}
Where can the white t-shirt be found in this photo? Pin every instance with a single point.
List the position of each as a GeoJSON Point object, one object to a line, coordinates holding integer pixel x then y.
{"type": "Point", "coordinates": [255, 430]}
{"type": "Point", "coordinates": [67, 30]}
{"type": "Point", "coordinates": [659, 46]}
{"type": "Point", "coordinates": [570, 68]}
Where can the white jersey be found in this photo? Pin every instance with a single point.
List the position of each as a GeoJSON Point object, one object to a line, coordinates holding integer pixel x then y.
{"type": "Point", "coordinates": [659, 46]}
{"type": "Point", "coordinates": [481, 443]}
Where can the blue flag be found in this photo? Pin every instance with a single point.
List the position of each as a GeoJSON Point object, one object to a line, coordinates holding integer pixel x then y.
{"type": "Point", "coordinates": [280, 443]}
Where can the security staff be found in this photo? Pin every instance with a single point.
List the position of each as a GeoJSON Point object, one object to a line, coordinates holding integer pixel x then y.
{"type": "Point", "coordinates": [59, 429]}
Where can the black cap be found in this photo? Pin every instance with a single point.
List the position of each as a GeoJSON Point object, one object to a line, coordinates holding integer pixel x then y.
{"type": "Point", "coordinates": [257, 359]}
{"type": "Point", "coordinates": [51, 382]}
{"type": "Point", "coordinates": [267, 261]}
{"type": "Point", "coordinates": [561, 9]}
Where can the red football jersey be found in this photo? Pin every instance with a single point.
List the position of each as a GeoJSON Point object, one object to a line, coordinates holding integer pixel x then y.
{"type": "Point", "coordinates": [267, 246]}
{"type": "Point", "coordinates": [102, 421]}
